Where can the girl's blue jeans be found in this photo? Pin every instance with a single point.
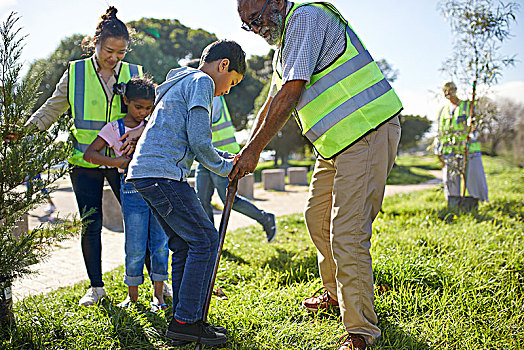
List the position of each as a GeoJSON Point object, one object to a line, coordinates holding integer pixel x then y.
{"type": "Point", "coordinates": [142, 230]}
{"type": "Point", "coordinates": [193, 240]}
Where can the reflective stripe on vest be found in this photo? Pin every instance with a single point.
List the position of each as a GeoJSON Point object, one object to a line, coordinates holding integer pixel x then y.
{"type": "Point", "coordinates": [223, 130]}
{"type": "Point", "coordinates": [89, 104]}
{"type": "Point", "coordinates": [453, 129]}
{"type": "Point", "coordinates": [345, 100]}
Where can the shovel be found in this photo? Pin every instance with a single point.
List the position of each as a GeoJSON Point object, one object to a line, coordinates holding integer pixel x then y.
{"type": "Point", "coordinates": [230, 198]}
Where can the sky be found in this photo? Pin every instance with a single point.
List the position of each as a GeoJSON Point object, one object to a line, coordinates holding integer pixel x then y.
{"type": "Point", "coordinates": [410, 34]}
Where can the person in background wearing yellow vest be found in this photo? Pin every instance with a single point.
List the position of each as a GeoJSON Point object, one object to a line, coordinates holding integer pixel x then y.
{"type": "Point", "coordinates": [207, 181]}
{"type": "Point", "coordinates": [346, 108]}
{"type": "Point", "coordinates": [223, 138]}
{"type": "Point", "coordinates": [452, 135]}
{"type": "Point", "coordinates": [86, 88]}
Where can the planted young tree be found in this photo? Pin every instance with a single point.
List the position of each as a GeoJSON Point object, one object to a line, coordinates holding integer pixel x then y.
{"type": "Point", "coordinates": [479, 28]}
{"type": "Point", "coordinates": [24, 153]}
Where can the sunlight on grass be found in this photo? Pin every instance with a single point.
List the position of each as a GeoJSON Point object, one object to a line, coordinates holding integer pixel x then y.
{"type": "Point", "coordinates": [443, 280]}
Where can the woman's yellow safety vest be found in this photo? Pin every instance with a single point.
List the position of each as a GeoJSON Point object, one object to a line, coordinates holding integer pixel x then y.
{"type": "Point", "coordinates": [453, 129]}
{"type": "Point", "coordinates": [223, 129]}
{"type": "Point", "coordinates": [89, 104]}
{"type": "Point", "coordinates": [344, 101]}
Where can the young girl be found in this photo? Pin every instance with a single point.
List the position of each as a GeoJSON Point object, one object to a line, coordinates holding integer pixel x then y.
{"type": "Point", "coordinates": [141, 229]}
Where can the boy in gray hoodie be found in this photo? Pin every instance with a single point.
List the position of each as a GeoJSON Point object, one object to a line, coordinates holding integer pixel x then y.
{"type": "Point", "coordinates": [178, 132]}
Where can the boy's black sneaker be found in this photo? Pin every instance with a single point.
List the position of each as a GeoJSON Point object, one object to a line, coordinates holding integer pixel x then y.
{"type": "Point", "coordinates": [180, 343]}
{"type": "Point", "coordinates": [195, 332]}
{"type": "Point", "coordinates": [217, 329]}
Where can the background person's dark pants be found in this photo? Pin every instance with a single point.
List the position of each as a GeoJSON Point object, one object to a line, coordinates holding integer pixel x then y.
{"type": "Point", "coordinates": [88, 185]}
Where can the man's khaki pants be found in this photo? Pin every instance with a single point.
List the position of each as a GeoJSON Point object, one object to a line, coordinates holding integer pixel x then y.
{"type": "Point", "coordinates": [345, 196]}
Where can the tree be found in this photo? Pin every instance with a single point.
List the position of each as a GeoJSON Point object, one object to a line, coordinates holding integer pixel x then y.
{"type": "Point", "coordinates": [518, 142]}
{"type": "Point", "coordinates": [479, 28]}
{"type": "Point", "coordinates": [241, 99]}
{"type": "Point", "coordinates": [499, 122]}
{"type": "Point", "coordinates": [288, 140]}
{"type": "Point", "coordinates": [159, 45]}
{"type": "Point", "coordinates": [261, 65]}
{"type": "Point", "coordinates": [18, 160]}
{"type": "Point", "coordinates": [55, 65]}
{"type": "Point", "coordinates": [413, 129]}
{"type": "Point", "coordinates": [389, 72]}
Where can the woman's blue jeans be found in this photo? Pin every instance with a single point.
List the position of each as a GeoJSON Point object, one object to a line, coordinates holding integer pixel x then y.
{"type": "Point", "coordinates": [88, 185]}
{"type": "Point", "coordinates": [193, 240]}
{"type": "Point", "coordinates": [142, 231]}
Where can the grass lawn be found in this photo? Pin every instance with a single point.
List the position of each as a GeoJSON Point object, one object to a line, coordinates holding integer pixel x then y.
{"type": "Point", "coordinates": [447, 281]}
{"type": "Point", "coordinates": [412, 169]}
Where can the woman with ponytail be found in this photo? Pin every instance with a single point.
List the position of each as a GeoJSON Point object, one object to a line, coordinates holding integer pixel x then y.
{"type": "Point", "coordinates": [86, 89]}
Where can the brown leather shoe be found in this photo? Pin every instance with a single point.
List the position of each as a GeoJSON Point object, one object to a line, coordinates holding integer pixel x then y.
{"type": "Point", "coordinates": [320, 302]}
{"type": "Point", "coordinates": [351, 342]}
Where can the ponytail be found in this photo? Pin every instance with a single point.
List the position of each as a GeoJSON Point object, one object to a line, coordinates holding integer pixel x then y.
{"type": "Point", "coordinates": [136, 88]}
{"type": "Point", "coordinates": [109, 26]}
{"type": "Point", "coordinates": [120, 89]}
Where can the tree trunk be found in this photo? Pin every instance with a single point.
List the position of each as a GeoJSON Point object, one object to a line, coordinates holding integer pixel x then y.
{"type": "Point", "coordinates": [494, 145]}
{"type": "Point", "coordinates": [468, 138]}
{"type": "Point", "coordinates": [6, 300]}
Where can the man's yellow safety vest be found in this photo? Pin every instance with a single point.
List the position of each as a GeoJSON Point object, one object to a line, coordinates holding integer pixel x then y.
{"type": "Point", "coordinates": [453, 129]}
{"type": "Point", "coordinates": [89, 104]}
{"type": "Point", "coordinates": [223, 129]}
{"type": "Point", "coordinates": [344, 101]}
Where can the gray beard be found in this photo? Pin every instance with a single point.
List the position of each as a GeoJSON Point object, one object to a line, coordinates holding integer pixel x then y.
{"type": "Point", "coordinates": [275, 31]}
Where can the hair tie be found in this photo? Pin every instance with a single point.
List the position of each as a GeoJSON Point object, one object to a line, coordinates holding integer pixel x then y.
{"type": "Point", "coordinates": [120, 89]}
{"type": "Point", "coordinates": [111, 12]}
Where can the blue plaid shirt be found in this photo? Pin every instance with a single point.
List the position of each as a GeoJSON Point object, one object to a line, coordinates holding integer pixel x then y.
{"type": "Point", "coordinates": [315, 37]}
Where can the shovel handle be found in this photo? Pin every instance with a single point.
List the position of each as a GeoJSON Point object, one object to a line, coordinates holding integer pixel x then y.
{"type": "Point", "coordinates": [228, 204]}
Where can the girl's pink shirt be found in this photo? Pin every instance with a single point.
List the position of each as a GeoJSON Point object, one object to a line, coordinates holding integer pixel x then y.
{"type": "Point", "coordinates": [111, 134]}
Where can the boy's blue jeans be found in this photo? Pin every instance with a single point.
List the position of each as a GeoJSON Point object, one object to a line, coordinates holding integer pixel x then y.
{"type": "Point", "coordinates": [207, 181]}
{"type": "Point", "coordinates": [142, 231]}
{"type": "Point", "coordinates": [193, 240]}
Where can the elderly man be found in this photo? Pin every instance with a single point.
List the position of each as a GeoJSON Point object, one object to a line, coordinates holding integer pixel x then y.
{"type": "Point", "coordinates": [349, 112]}
{"type": "Point", "coordinates": [452, 122]}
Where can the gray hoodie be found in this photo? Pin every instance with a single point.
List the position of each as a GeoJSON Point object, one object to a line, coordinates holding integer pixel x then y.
{"type": "Point", "coordinates": [179, 130]}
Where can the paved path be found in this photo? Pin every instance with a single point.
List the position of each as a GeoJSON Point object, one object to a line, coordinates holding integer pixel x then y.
{"type": "Point", "coordinates": [65, 265]}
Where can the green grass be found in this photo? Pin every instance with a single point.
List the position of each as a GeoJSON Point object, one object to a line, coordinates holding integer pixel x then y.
{"type": "Point", "coordinates": [410, 170]}
{"type": "Point", "coordinates": [449, 281]}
